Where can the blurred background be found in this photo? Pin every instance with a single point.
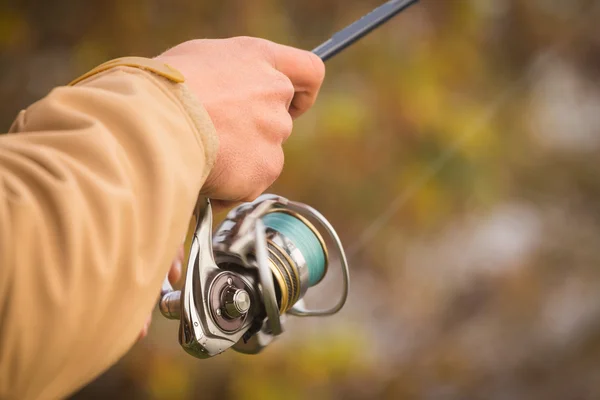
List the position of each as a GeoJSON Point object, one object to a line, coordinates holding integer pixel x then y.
{"type": "Point", "coordinates": [457, 152]}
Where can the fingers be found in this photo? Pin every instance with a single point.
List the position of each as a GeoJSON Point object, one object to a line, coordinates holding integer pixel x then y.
{"type": "Point", "coordinates": [146, 328]}
{"type": "Point", "coordinates": [220, 206]}
{"type": "Point", "coordinates": [175, 271]}
{"type": "Point", "coordinates": [304, 69]}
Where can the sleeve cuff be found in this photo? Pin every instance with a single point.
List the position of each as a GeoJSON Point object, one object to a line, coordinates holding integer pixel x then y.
{"type": "Point", "coordinates": [176, 85]}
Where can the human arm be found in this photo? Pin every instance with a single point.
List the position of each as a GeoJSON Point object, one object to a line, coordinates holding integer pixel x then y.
{"type": "Point", "coordinates": [98, 184]}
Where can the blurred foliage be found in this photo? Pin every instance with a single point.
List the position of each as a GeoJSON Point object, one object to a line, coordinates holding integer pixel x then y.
{"type": "Point", "coordinates": [456, 150]}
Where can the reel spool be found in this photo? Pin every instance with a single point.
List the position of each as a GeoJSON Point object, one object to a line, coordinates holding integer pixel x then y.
{"type": "Point", "coordinates": [298, 256]}
{"type": "Point", "coordinates": [262, 261]}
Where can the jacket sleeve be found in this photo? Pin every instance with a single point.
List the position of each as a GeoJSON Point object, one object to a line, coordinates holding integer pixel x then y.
{"type": "Point", "coordinates": [97, 185]}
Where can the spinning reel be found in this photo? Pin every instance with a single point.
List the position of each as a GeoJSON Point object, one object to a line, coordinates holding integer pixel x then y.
{"type": "Point", "coordinates": [261, 262]}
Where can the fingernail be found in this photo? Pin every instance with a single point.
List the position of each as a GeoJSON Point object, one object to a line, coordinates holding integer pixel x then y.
{"type": "Point", "coordinates": [178, 266]}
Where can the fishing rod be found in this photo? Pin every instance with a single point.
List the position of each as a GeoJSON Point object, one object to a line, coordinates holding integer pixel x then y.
{"type": "Point", "coordinates": [359, 29]}
{"type": "Point", "coordinates": [260, 262]}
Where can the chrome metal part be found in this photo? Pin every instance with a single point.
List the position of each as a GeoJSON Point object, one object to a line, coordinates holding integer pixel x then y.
{"type": "Point", "coordinates": [267, 287]}
{"type": "Point", "coordinates": [237, 302]}
{"type": "Point", "coordinates": [220, 289]}
{"type": "Point", "coordinates": [199, 334]}
{"type": "Point", "coordinates": [170, 304]}
{"type": "Point", "coordinates": [307, 211]}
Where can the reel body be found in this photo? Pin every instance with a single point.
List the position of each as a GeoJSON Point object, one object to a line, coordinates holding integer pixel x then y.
{"type": "Point", "coordinates": [263, 259]}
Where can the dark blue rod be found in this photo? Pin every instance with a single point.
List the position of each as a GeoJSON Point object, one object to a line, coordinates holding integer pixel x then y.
{"type": "Point", "coordinates": [361, 28]}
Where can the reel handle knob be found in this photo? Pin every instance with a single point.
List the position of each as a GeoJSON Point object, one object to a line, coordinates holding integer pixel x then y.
{"type": "Point", "coordinates": [170, 304]}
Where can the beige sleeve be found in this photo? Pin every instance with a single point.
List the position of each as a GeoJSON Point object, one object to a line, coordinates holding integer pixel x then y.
{"type": "Point", "coordinates": [97, 185]}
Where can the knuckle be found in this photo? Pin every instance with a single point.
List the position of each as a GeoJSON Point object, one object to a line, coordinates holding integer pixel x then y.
{"type": "Point", "coordinates": [284, 86]}
{"type": "Point", "coordinates": [287, 125]}
{"type": "Point", "coordinates": [278, 125]}
{"type": "Point", "coordinates": [264, 45]}
{"type": "Point", "coordinates": [245, 41]}
{"type": "Point", "coordinates": [251, 43]}
{"type": "Point", "coordinates": [255, 46]}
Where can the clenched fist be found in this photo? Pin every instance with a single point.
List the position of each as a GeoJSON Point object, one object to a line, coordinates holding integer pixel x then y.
{"type": "Point", "coordinates": [252, 90]}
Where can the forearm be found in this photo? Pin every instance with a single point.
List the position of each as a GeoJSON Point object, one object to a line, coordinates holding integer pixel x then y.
{"type": "Point", "coordinates": [98, 183]}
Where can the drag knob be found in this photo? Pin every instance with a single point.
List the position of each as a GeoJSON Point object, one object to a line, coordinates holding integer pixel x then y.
{"type": "Point", "coordinates": [237, 302]}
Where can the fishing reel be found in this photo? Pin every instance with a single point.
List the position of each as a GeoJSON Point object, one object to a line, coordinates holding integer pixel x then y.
{"type": "Point", "coordinates": [240, 284]}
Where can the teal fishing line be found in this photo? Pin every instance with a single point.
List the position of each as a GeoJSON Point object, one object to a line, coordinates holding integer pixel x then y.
{"type": "Point", "coordinates": [304, 239]}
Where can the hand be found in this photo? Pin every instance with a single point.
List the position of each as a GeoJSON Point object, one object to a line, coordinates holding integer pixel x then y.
{"type": "Point", "coordinates": [252, 90]}
{"type": "Point", "coordinates": [173, 276]}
